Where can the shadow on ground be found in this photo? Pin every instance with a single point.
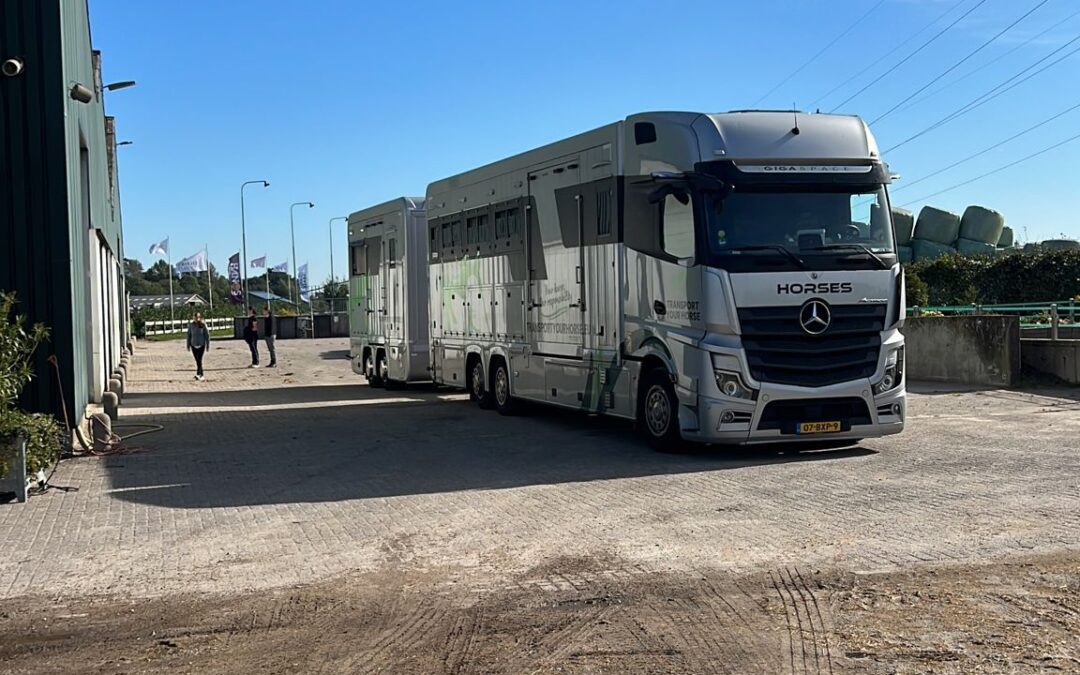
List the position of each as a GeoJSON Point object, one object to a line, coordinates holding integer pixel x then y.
{"type": "Point", "coordinates": [367, 443]}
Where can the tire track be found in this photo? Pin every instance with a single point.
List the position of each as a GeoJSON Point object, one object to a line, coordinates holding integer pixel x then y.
{"type": "Point", "coordinates": [787, 619]}
{"type": "Point", "coordinates": [821, 620]}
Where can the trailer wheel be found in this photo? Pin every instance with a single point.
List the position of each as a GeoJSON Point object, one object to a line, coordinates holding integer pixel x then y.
{"type": "Point", "coordinates": [376, 378]}
{"type": "Point", "coordinates": [658, 412]}
{"type": "Point", "coordinates": [500, 386]}
{"type": "Point", "coordinates": [478, 390]}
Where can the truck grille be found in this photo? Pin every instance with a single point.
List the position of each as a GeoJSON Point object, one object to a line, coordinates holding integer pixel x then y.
{"type": "Point", "coordinates": [779, 351]}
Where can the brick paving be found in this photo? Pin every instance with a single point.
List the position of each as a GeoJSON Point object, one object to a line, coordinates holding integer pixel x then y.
{"type": "Point", "coordinates": [270, 478]}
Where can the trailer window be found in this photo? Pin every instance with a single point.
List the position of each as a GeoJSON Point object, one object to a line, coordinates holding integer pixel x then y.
{"type": "Point", "coordinates": [677, 227]}
{"type": "Point", "coordinates": [603, 213]}
{"type": "Point", "coordinates": [359, 259]}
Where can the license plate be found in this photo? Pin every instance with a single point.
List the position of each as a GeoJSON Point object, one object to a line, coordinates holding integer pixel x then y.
{"type": "Point", "coordinates": [819, 427]}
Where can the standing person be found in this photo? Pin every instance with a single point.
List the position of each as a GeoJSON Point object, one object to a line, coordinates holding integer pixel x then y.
{"type": "Point", "coordinates": [270, 335]}
{"type": "Point", "coordinates": [198, 342]}
{"type": "Point", "coordinates": [251, 336]}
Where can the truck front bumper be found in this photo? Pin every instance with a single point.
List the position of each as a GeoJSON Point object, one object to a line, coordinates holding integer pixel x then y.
{"type": "Point", "coordinates": [776, 414]}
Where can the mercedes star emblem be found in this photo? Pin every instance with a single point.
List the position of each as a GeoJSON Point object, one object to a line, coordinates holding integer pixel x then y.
{"type": "Point", "coordinates": [815, 317]}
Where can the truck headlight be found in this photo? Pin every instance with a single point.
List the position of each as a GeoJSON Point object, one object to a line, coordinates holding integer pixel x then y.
{"type": "Point", "coordinates": [731, 385]}
{"type": "Point", "coordinates": [894, 372]}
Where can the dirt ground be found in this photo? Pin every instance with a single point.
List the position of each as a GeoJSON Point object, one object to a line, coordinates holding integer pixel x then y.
{"type": "Point", "coordinates": [1011, 617]}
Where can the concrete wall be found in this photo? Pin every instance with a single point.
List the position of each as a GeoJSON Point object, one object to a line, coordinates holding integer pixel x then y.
{"type": "Point", "coordinates": [1060, 358]}
{"type": "Point", "coordinates": [976, 350]}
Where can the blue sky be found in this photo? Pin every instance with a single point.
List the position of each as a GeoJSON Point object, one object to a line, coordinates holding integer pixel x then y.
{"type": "Point", "coordinates": [348, 103]}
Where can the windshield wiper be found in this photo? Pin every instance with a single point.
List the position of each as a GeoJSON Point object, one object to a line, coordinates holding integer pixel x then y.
{"type": "Point", "coordinates": [773, 247]}
{"type": "Point", "coordinates": [859, 247]}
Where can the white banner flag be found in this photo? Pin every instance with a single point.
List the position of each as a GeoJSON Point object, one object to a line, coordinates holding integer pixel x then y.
{"type": "Point", "coordinates": [301, 281]}
{"type": "Point", "coordinates": [258, 262]}
{"type": "Point", "coordinates": [283, 267]}
{"type": "Point", "coordinates": [160, 248]}
{"type": "Point", "coordinates": [194, 263]}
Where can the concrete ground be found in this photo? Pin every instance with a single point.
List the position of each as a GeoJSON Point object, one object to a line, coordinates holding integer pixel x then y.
{"type": "Point", "coordinates": [463, 541]}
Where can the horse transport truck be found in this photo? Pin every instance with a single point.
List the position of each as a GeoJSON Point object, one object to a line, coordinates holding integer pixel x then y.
{"type": "Point", "coordinates": [725, 278]}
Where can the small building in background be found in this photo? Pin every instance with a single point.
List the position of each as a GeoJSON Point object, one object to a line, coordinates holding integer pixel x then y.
{"type": "Point", "coordinates": [137, 302]}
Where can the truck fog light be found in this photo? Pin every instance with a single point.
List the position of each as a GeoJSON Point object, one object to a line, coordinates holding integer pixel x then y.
{"type": "Point", "coordinates": [897, 409]}
{"type": "Point", "coordinates": [728, 417]}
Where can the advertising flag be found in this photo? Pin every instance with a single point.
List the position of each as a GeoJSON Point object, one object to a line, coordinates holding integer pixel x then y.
{"type": "Point", "coordinates": [283, 267]}
{"type": "Point", "coordinates": [160, 248]}
{"type": "Point", "coordinates": [301, 281]}
{"type": "Point", "coordinates": [236, 293]}
{"type": "Point", "coordinates": [258, 262]}
{"type": "Point", "coordinates": [193, 263]}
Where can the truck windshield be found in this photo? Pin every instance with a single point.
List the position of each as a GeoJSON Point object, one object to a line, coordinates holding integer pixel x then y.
{"type": "Point", "coordinates": [816, 224]}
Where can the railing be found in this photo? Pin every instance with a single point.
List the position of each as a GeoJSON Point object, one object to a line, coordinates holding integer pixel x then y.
{"type": "Point", "coordinates": [1032, 314]}
{"type": "Point", "coordinates": [173, 326]}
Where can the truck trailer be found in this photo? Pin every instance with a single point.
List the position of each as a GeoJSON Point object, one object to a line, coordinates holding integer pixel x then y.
{"type": "Point", "coordinates": [725, 278]}
{"type": "Point", "coordinates": [388, 292]}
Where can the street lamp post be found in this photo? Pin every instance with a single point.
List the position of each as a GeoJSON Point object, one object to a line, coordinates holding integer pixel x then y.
{"type": "Point", "coordinates": [333, 279]}
{"type": "Point", "coordinates": [243, 234]}
{"type": "Point", "coordinates": [292, 233]}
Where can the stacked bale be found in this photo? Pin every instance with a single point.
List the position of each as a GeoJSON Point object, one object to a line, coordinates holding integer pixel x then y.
{"type": "Point", "coordinates": [935, 232]}
{"type": "Point", "coordinates": [980, 231]}
{"type": "Point", "coordinates": [1006, 239]}
{"type": "Point", "coordinates": [1060, 245]}
{"type": "Point", "coordinates": [903, 226]}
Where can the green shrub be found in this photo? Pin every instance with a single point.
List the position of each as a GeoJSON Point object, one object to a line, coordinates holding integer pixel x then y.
{"type": "Point", "coordinates": [960, 280]}
{"type": "Point", "coordinates": [44, 438]}
{"type": "Point", "coordinates": [17, 344]}
{"type": "Point", "coordinates": [917, 292]}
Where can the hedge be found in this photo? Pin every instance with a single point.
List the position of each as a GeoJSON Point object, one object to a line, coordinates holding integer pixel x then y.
{"type": "Point", "coordinates": [960, 280]}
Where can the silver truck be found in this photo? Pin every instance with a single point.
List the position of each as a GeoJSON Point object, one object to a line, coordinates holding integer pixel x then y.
{"type": "Point", "coordinates": [724, 278]}
{"type": "Point", "coordinates": [388, 292]}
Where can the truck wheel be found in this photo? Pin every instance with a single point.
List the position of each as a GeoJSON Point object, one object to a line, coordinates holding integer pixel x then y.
{"type": "Point", "coordinates": [376, 379]}
{"type": "Point", "coordinates": [478, 391]}
{"type": "Point", "coordinates": [500, 385]}
{"type": "Point", "coordinates": [658, 412]}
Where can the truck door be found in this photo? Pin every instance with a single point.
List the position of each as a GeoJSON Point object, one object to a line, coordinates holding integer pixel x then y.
{"type": "Point", "coordinates": [392, 286]}
{"type": "Point", "coordinates": [556, 296]}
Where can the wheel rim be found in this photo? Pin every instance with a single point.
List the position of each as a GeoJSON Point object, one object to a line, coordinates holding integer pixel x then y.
{"type": "Point", "coordinates": [502, 386]}
{"type": "Point", "coordinates": [478, 381]}
{"type": "Point", "coordinates": [657, 411]}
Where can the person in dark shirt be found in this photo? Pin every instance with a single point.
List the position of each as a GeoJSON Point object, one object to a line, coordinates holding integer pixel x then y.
{"type": "Point", "coordinates": [251, 336]}
{"type": "Point", "coordinates": [270, 335]}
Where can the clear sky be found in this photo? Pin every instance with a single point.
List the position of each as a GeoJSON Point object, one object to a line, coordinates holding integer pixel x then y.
{"type": "Point", "coordinates": [347, 103]}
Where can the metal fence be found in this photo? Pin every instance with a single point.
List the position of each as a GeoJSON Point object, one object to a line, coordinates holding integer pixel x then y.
{"type": "Point", "coordinates": [174, 326]}
{"type": "Point", "coordinates": [1033, 315]}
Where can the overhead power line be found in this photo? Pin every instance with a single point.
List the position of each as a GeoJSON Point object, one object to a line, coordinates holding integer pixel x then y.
{"type": "Point", "coordinates": [982, 152]}
{"type": "Point", "coordinates": [887, 54]}
{"type": "Point", "coordinates": [819, 53]}
{"type": "Point", "coordinates": [999, 57]}
{"type": "Point", "coordinates": [959, 63]}
{"type": "Point", "coordinates": [997, 170]}
{"type": "Point", "coordinates": [993, 93]}
{"type": "Point", "coordinates": [910, 56]}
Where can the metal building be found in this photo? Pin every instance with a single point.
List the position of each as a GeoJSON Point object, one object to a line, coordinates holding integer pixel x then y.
{"type": "Point", "coordinates": [61, 243]}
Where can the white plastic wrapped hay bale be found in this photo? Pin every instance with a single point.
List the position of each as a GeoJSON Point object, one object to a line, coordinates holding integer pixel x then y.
{"type": "Point", "coordinates": [903, 224]}
{"type": "Point", "coordinates": [937, 226]}
{"type": "Point", "coordinates": [1060, 245]}
{"type": "Point", "coordinates": [974, 248]}
{"type": "Point", "coordinates": [981, 224]}
{"type": "Point", "coordinates": [1006, 239]}
{"type": "Point", "coordinates": [1031, 248]}
{"type": "Point", "coordinates": [929, 250]}
{"type": "Point", "coordinates": [904, 254]}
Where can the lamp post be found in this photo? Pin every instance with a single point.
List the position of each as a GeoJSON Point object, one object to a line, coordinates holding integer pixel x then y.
{"type": "Point", "coordinates": [243, 233]}
{"type": "Point", "coordinates": [333, 279]}
{"type": "Point", "coordinates": [292, 233]}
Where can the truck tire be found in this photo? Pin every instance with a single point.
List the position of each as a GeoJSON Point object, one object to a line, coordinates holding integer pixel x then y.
{"type": "Point", "coordinates": [376, 379]}
{"type": "Point", "coordinates": [658, 412]}
{"type": "Point", "coordinates": [479, 392]}
{"type": "Point", "coordinates": [501, 394]}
